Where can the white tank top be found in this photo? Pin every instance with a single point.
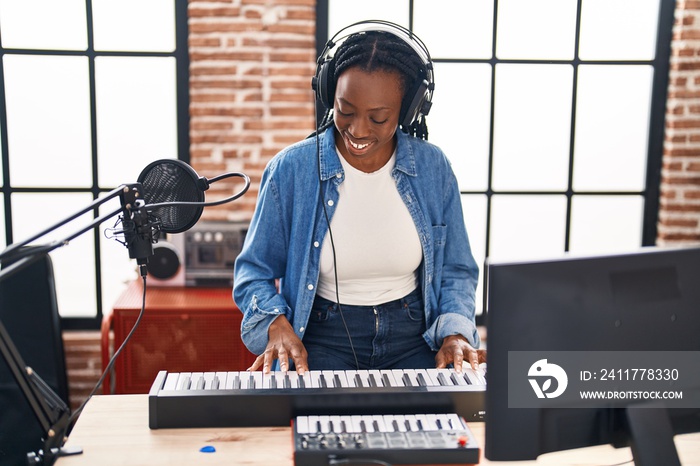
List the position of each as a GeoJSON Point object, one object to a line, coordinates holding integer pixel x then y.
{"type": "Point", "coordinates": [377, 248]}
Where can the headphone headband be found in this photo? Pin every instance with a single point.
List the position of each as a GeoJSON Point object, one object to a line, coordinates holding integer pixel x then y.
{"type": "Point", "coordinates": [417, 100]}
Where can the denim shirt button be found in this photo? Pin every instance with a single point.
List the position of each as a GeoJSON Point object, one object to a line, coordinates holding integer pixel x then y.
{"type": "Point", "coordinates": [310, 286]}
{"type": "Point", "coordinates": [277, 311]}
{"type": "Point", "coordinates": [330, 202]}
{"type": "Point", "coordinates": [316, 244]}
{"type": "Point", "coordinates": [301, 330]}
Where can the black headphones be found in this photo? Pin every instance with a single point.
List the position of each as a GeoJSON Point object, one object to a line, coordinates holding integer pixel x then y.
{"type": "Point", "coordinates": [417, 100]}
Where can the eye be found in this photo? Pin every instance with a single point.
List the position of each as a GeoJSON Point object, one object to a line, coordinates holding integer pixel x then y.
{"type": "Point", "coordinates": [379, 122]}
{"type": "Point", "coordinates": [343, 114]}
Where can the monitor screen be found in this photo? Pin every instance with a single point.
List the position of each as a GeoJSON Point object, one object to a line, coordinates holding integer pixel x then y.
{"type": "Point", "coordinates": [29, 314]}
{"type": "Point", "coordinates": [642, 301]}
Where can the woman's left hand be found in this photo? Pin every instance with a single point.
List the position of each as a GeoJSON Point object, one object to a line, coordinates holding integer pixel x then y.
{"type": "Point", "coordinates": [456, 350]}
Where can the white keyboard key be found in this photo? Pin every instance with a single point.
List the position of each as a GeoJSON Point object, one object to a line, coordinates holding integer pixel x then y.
{"type": "Point", "coordinates": [388, 379]}
{"type": "Point", "coordinates": [171, 381]}
{"type": "Point", "coordinates": [315, 379]}
{"type": "Point", "coordinates": [374, 377]}
{"type": "Point", "coordinates": [303, 425]}
{"type": "Point", "coordinates": [341, 376]}
{"type": "Point", "coordinates": [183, 382]}
{"type": "Point", "coordinates": [208, 380]}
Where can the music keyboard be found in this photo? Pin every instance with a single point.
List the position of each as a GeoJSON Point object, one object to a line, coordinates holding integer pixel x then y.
{"type": "Point", "coordinates": [247, 399]}
{"type": "Point", "coordinates": [393, 439]}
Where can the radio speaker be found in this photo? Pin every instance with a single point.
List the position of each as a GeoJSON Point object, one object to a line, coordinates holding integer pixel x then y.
{"type": "Point", "coordinates": [167, 267]}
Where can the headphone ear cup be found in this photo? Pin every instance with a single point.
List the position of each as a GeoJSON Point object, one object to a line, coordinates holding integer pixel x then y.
{"type": "Point", "coordinates": [415, 103]}
{"type": "Point", "coordinates": [324, 84]}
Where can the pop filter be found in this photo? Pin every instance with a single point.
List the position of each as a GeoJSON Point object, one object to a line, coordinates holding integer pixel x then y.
{"type": "Point", "coordinates": [173, 181]}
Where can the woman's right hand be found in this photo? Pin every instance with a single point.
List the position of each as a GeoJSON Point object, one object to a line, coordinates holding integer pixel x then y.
{"type": "Point", "coordinates": [282, 344]}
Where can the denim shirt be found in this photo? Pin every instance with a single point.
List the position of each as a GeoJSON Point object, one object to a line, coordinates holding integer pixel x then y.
{"type": "Point", "coordinates": [288, 227]}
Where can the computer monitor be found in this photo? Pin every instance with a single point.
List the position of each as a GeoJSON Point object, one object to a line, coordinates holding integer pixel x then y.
{"type": "Point", "coordinates": [647, 300]}
{"type": "Point", "coordinates": [29, 314]}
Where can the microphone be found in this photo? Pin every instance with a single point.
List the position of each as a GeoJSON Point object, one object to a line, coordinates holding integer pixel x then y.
{"type": "Point", "coordinates": [169, 197]}
{"type": "Point", "coordinates": [139, 231]}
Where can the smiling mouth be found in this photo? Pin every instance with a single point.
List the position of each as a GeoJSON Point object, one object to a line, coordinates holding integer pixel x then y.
{"type": "Point", "coordinates": [358, 146]}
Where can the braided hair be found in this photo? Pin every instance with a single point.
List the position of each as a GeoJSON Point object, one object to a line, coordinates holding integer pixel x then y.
{"type": "Point", "coordinates": [381, 51]}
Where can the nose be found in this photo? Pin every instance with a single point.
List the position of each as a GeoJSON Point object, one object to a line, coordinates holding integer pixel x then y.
{"type": "Point", "coordinates": [359, 127]}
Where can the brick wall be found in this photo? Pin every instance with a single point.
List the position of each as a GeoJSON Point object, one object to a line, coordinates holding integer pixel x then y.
{"type": "Point", "coordinates": [679, 212]}
{"type": "Point", "coordinates": [251, 63]}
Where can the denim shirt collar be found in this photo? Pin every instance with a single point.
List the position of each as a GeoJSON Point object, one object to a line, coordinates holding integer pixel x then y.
{"type": "Point", "coordinates": [331, 167]}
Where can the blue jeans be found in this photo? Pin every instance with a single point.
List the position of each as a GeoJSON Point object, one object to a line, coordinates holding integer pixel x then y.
{"type": "Point", "coordinates": [385, 336]}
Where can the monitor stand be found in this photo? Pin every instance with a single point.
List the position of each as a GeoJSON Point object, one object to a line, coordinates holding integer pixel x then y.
{"type": "Point", "coordinates": [651, 435]}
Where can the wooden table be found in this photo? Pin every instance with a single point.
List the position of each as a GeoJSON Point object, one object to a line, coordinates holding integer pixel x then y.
{"type": "Point", "coordinates": [113, 430]}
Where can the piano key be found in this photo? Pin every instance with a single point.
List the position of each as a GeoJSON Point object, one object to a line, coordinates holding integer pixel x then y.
{"type": "Point", "coordinates": [356, 427]}
{"type": "Point", "coordinates": [223, 379]}
{"type": "Point", "coordinates": [447, 375]}
{"type": "Point", "coordinates": [366, 424]}
{"type": "Point", "coordinates": [471, 376]}
{"type": "Point", "coordinates": [361, 378]}
{"type": "Point", "coordinates": [432, 422]}
{"type": "Point", "coordinates": [340, 377]}
{"type": "Point", "coordinates": [336, 424]}
{"type": "Point", "coordinates": [197, 381]}
{"type": "Point", "coordinates": [423, 378]}
{"type": "Point", "coordinates": [345, 424]}
{"type": "Point", "coordinates": [426, 424]}
{"type": "Point", "coordinates": [375, 378]}
{"type": "Point", "coordinates": [457, 379]}
{"type": "Point", "coordinates": [269, 380]}
{"type": "Point", "coordinates": [378, 423]}
{"type": "Point", "coordinates": [395, 423]}
{"type": "Point", "coordinates": [325, 422]}
{"type": "Point", "coordinates": [171, 381]}
{"type": "Point", "coordinates": [412, 422]}
{"type": "Point", "coordinates": [303, 425]}
{"type": "Point", "coordinates": [315, 379]}
{"type": "Point", "coordinates": [208, 380]}
{"type": "Point", "coordinates": [456, 422]}
{"type": "Point", "coordinates": [183, 382]}
{"type": "Point", "coordinates": [329, 377]}
{"type": "Point", "coordinates": [231, 378]}
{"type": "Point", "coordinates": [314, 425]}
{"type": "Point", "coordinates": [481, 373]}
{"type": "Point", "coordinates": [388, 378]}
{"type": "Point", "coordinates": [408, 378]}
{"type": "Point", "coordinates": [442, 422]}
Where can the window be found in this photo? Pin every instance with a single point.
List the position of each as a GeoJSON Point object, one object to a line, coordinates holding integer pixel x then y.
{"type": "Point", "coordinates": [551, 112]}
{"type": "Point", "coordinates": [92, 92]}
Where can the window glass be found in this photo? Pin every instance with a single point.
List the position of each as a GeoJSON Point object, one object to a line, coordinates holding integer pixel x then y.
{"type": "Point", "coordinates": [613, 107]}
{"type": "Point", "coordinates": [618, 29]}
{"type": "Point", "coordinates": [117, 269]}
{"type": "Point", "coordinates": [474, 208]}
{"type": "Point", "coordinates": [459, 120]}
{"type": "Point", "coordinates": [602, 224]}
{"type": "Point", "coordinates": [455, 28]}
{"type": "Point", "coordinates": [74, 263]}
{"type": "Point", "coordinates": [342, 13]}
{"type": "Point", "coordinates": [43, 24]}
{"type": "Point", "coordinates": [136, 115]}
{"type": "Point", "coordinates": [532, 121]}
{"type": "Point", "coordinates": [48, 120]}
{"type": "Point", "coordinates": [536, 29]}
{"type": "Point", "coordinates": [527, 226]}
{"type": "Point", "coordinates": [134, 25]}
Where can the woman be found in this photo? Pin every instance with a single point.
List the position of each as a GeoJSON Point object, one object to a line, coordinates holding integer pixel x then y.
{"type": "Point", "coordinates": [390, 284]}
